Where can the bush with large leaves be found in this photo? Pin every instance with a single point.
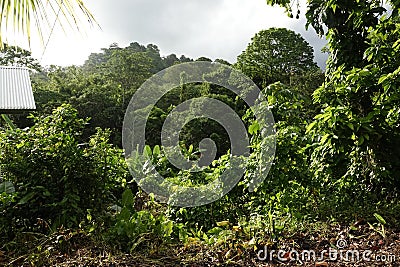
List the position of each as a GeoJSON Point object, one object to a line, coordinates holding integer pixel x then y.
{"type": "Point", "coordinates": [357, 132]}
{"type": "Point", "coordinates": [57, 179]}
{"type": "Point", "coordinates": [356, 135]}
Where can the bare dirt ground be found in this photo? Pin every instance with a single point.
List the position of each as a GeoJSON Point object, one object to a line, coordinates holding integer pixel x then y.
{"type": "Point", "coordinates": [358, 245]}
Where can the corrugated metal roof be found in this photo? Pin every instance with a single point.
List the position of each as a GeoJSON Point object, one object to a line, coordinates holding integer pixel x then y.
{"type": "Point", "coordinates": [15, 90]}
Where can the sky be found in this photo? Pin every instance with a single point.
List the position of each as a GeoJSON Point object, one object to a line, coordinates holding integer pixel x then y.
{"type": "Point", "coordinates": [194, 28]}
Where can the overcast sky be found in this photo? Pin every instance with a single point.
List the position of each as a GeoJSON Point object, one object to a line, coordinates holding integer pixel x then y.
{"type": "Point", "coordinates": [194, 28]}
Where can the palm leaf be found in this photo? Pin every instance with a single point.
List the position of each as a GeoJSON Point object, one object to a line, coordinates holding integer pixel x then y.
{"type": "Point", "coordinates": [19, 16]}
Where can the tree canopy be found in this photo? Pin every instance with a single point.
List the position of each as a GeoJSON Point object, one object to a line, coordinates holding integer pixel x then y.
{"type": "Point", "coordinates": [276, 54]}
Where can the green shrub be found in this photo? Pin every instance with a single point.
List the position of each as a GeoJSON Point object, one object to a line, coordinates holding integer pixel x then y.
{"type": "Point", "coordinates": [145, 228]}
{"type": "Point", "coordinates": [57, 179]}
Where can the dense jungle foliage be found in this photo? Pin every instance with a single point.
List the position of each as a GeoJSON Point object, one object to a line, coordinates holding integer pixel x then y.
{"type": "Point", "coordinates": [64, 180]}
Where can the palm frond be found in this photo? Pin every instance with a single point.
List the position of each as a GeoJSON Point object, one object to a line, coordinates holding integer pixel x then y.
{"type": "Point", "coordinates": [19, 16]}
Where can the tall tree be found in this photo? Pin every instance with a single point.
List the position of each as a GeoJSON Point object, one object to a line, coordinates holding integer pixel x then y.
{"type": "Point", "coordinates": [274, 55]}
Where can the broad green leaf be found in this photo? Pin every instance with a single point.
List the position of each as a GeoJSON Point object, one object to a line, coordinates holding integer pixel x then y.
{"type": "Point", "coordinates": [26, 198]}
{"type": "Point", "coordinates": [254, 128]}
{"type": "Point", "coordinates": [361, 140]}
{"type": "Point", "coordinates": [7, 187]}
{"type": "Point", "coordinates": [382, 79]}
{"type": "Point", "coordinates": [223, 223]}
{"type": "Point", "coordinates": [127, 198]}
{"type": "Point", "coordinates": [124, 215]}
{"type": "Point", "coordinates": [147, 151]}
{"type": "Point", "coordinates": [167, 228]}
{"type": "Point", "coordinates": [379, 218]}
{"type": "Point", "coordinates": [215, 231]}
{"type": "Point", "coordinates": [156, 150]}
{"type": "Point", "coordinates": [350, 125]}
{"type": "Point", "coordinates": [364, 72]}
